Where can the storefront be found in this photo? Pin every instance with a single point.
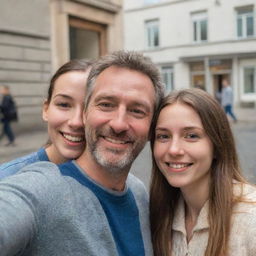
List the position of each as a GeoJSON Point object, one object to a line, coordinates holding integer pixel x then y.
{"type": "Point", "coordinates": [208, 73]}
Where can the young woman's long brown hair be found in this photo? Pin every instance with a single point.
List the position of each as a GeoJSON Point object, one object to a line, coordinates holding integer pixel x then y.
{"type": "Point", "coordinates": [225, 168]}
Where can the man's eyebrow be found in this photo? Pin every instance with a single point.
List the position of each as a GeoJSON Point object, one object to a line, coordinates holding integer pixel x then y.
{"type": "Point", "coordinates": [105, 97]}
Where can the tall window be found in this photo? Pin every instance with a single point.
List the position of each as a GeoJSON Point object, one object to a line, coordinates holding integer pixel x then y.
{"type": "Point", "coordinates": [245, 22]}
{"type": "Point", "coordinates": [152, 33]}
{"type": "Point", "coordinates": [200, 24]}
{"type": "Point", "coordinates": [167, 77]}
{"type": "Point", "coordinates": [250, 80]}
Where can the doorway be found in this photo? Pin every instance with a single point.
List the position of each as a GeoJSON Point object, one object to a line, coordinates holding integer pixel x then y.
{"type": "Point", "coordinates": [217, 84]}
{"type": "Point", "coordinates": [86, 39]}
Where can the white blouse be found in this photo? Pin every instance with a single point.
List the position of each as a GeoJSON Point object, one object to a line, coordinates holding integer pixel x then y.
{"type": "Point", "coordinates": [243, 228]}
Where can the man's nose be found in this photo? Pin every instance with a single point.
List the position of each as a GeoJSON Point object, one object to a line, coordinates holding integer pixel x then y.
{"type": "Point", "coordinates": [119, 121]}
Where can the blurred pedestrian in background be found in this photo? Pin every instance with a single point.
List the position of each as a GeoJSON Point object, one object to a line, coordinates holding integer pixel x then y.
{"type": "Point", "coordinates": [8, 114]}
{"type": "Point", "coordinates": [227, 99]}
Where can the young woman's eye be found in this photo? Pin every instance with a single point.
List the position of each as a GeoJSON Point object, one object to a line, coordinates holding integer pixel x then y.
{"type": "Point", "coordinates": [162, 136]}
{"type": "Point", "coordinates": [63, 104]}
{"type": "Point", "coordinates": [192, 136]}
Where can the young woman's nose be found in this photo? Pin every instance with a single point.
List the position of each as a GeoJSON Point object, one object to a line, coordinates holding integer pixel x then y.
{"type": "Point", "coordinates": [176, 147]}
{"type": "Point", "coordinates": [76, 120]}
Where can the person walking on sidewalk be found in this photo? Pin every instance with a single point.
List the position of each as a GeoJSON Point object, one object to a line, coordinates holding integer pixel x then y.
{"type": "Point", "coordinates": [9, 114]}
{"type": "Point", "coordinates": [63, 111]}
{"type": "Point", "coordinates": [227, 99]}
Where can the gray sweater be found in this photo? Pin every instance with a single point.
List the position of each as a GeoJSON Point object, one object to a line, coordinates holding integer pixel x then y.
{"type": "Point", "coordinates": [46, 213]}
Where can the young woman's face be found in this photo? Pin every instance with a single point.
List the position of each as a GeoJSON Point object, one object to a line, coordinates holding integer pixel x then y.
{"type": "Point", "coordinates": [64, 116]}
{"type": "Point", "coordinates": [182, 149]}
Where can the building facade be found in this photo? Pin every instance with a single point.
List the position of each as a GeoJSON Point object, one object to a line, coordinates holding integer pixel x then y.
{"type": "Point", "coordinates": [197, 43]}
{"type": "Point", "coordinates": [37, 36]}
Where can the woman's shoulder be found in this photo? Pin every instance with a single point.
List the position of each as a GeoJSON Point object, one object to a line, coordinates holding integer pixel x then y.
{"type": "Point", "coordinates": [245, 189]}
{"type": "Point", "coordinates": [245, 199]}
{"type": "Point", "coordinates": [44, 168]}
{"type": "Point", "coordinates": [15, 165]}
{"type": "Point", "coordinates": [243, 221]}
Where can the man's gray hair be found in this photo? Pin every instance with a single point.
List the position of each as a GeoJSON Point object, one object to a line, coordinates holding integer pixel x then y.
{"type": "Point", "coordinates": [130, 60]}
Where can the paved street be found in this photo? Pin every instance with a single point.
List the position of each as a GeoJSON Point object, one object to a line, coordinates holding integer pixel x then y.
{"type": "Point", "coordinates": [245, 135]}
{"type": "Point", "coordinates": [244, 131]}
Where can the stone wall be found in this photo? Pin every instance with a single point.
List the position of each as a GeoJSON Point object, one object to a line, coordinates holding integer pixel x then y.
{"type": "Point", "coordinates": [25, 57]}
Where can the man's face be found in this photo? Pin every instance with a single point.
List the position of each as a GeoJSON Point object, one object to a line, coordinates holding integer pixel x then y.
{"type": "Point", "coordinates": [118, 117]}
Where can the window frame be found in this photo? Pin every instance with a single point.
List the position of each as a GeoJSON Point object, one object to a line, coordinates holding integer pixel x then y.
{"type": "Point", "coordinates": [197, 18]}
{"type": "Point", "coordinates": [243, 15]}
{"type": "Point", "coordinates": [254, 79]}
{"type": "Point", "coordinates": [150, 25]}
{"type": "Point", "coordinates": [169, 71]}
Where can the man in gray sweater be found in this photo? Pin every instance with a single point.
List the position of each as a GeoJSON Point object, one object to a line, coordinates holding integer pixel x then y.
{"type": "Point", "coordinates": [90, 206]}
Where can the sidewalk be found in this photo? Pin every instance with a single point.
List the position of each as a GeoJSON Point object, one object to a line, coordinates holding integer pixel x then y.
{"type": "Point", "coordinates": [29, 142]}
{"type": "Point", "coordinates": [245, 114]}
{"type": "Point", "coordinates": [25, 143]}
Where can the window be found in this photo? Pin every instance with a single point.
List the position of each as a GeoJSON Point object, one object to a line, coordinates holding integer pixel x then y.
{"type": "Point", "coordinates": [199, 21]}
{"type": "Point", "coordinates": [151, 1]}
{"type": "Point", "coordinates": [86, 39]}
{"type": "Point", "coordinates": [152, 33]}
{"type": "Point", "coordinates": [167, 77]}
{"type": "Point", "coordinates": [245, 22]}
{"type": "Point", "coordinates": [249, 80]}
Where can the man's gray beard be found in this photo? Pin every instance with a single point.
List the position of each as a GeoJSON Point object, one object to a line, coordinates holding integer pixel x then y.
{"type": "Point", "coordinates": [119, 165]}
{"type": "Point", "coordinates": [116, 165]}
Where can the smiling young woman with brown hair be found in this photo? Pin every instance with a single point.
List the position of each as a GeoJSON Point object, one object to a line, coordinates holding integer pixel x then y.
{"type": "Point", "coordinates": [63, 111]}
{"type": "Point", "coordinates": [200, 204]}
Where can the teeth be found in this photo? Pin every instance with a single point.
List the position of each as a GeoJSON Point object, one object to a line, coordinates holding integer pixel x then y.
{"type": "Point", "coordinates": [72, 138]}
{"type": "Point", "coordinates": [178, 166]}
{"type": "Point", "coordinates": [115, 141]}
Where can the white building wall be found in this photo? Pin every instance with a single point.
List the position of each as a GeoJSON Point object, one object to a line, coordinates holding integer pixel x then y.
{"type": "Point", "coordinates": [181, 79]}
{"type": "Point", "coordinates": [176, 37]}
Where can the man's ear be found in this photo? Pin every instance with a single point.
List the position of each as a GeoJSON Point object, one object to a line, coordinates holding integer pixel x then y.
{"type": "Point", "coordinates": [45, 111]}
